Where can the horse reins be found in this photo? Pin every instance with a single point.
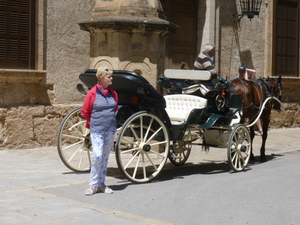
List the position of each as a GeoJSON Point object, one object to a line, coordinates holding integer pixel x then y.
{"type": "Point", "coordinates": [264, 88]}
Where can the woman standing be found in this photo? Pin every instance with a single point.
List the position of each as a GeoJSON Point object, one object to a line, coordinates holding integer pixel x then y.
{"type": "Point", "coordinates": [99, 110]}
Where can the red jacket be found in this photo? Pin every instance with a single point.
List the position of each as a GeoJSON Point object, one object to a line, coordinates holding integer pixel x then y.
{"type": "Point", "coordinates": [88, 103]}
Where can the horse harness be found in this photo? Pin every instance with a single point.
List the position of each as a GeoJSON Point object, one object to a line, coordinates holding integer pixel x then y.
{"type": "Point", "coordinates": [262, 88]}
{"type": "Point", "coordinates": [265, 86]}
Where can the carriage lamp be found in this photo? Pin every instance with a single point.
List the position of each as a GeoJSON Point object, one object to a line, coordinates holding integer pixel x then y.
{"type": "Point", "coordinates": [250, 8]}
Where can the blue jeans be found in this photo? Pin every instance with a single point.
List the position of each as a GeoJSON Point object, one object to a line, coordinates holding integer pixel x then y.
{"type": "Point", "coordinates": [102, 145]}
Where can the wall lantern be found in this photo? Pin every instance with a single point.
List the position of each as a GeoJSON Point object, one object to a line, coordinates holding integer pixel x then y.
{"type": "Point", "coordinates": [250, 8]}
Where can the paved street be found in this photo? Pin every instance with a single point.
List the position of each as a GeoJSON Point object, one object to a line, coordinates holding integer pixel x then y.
{"type": "Point", "coordinates": [36, 188]}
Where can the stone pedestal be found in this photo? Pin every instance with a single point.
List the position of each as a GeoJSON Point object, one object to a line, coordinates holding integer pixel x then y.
{"type": "Point", "coordinates": [129, 35]}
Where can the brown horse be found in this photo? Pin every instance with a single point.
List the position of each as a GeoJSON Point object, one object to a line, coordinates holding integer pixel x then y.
{"type": "Point", "coordinates": [253, 95]}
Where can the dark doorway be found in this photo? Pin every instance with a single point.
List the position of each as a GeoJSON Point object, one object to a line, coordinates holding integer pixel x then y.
{"type": "Point", "coordinates": [182, 45]}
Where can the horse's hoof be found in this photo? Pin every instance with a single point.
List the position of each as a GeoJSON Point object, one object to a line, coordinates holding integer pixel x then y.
{"type": "Point", "coordinates": [263, 159]}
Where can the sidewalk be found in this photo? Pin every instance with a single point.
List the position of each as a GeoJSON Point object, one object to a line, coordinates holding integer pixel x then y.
{"type": "Point", "coordinates": [279, 141]}
{"type": "Point", "coordinates": [31, 181]}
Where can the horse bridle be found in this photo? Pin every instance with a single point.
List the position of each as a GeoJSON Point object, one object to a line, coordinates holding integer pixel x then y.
{"type": "Point", "coordinates": [271, 87]}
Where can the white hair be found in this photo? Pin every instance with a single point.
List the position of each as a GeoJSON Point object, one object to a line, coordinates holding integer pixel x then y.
{"type": "Point", "coordinates": [207, 47]}
{"type": "Point", "coordinates": [102, 72]}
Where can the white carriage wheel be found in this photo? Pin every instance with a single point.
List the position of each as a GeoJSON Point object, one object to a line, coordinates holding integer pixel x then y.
{"type": "Point", "coordinates": [142, 147]}
{"type": "Point", "coordinates": [180, 150]}
{"type": "Point", "coordinates": [73, 142]}
{"type": "Point", "coordinates": [239, 148]}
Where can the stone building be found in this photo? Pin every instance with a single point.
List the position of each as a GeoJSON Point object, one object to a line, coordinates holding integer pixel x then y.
{"type": "Point", "coordinates": [45, 45]}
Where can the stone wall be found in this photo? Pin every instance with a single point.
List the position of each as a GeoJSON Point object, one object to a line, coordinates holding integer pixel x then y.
{"type": "Point", "coordinates": [289, 116]}
{"type": "Point", "coordinates": [240, 41]}
{"type": "Point", "coordinates": [67, 48]}
{"type": "Point", "coordinates": [31, 127]}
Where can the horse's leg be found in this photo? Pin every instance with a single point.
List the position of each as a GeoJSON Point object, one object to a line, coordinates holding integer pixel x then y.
{"type": "Point", "coordinates": [252, 135]}
{"type": "Point", "coordinates": [265, 126]}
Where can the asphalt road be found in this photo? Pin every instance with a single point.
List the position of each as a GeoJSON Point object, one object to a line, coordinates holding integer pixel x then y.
{"type": "Point", "coordinates": [36, 188]}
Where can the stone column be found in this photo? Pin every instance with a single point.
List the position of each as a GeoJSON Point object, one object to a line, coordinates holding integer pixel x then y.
{"type": "Point", "coordinates": [129, 35]}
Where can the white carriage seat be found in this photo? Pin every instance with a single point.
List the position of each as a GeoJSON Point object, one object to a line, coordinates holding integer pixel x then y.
{"type": "Point", "coordinates": [188, 74]}
{"type": "Point", "coordinates": [179, 106]}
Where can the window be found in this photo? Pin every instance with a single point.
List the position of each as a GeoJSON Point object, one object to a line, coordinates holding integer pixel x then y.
{"type": "Point", "coordinates": [17, 34]}
{"type": "Point", "coordinates": [287, 38]}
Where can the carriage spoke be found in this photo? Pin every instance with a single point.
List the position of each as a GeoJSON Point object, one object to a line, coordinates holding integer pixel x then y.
{"type": "Point", "coordinates": [71, 146]}
{"type": "Point", "coordinates": [144, 167]}
{"type": "Point", "coordinates": [141, 128]}
{"type": "Point", "coordinates": [80, 123]}
{"type": "Point", "coordinates": [150, 160]}
{"type": "Point", "coordinates": [81, 159]}
{"type": "Point", "coordinates": [158, 143]}
{"type": "Point", "coordinates": [235, 162]}
{"type": "Point", "coordinates": [75, 153]}
{"type": "Point", "coordinates": [242, 159]}
{"type": "Point", "coordinates": [136, 167]}
{"type": "Point", "coordinates": [158, 154]}
{"type": "Point", "coordinates": [130, 161]}
{"type": "Point", "coordinates": [148, 130]}
{"type": "Point", "coordinates": [133, 131]}
{"type": "Point", "coordinates": [234, 156]}
{"type": "Point", "coordinates": [128, 141]}
{"type": "Point", "coordinates": [73, 136]}
{"type": "Point", "coordinates": [238, 162]}
{"type": "Point", "coordinates": [153, 135]}
{"type": "Point", "coordinates": [130, 150]}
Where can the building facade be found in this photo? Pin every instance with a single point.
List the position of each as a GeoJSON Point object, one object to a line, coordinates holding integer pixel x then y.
{"type": "Point", "coordinates": [45, 45]}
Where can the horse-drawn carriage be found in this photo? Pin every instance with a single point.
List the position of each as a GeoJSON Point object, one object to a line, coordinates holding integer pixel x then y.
{"type": "Point", "coordinates": [153, 128]}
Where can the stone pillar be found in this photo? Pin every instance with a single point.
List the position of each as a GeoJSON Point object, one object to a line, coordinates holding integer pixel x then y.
{"type": "Point", "coordinates": [129, 35]}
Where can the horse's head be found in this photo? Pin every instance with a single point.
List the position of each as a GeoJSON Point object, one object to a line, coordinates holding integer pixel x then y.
{"type": "Point", "coordinates": [276, 90]}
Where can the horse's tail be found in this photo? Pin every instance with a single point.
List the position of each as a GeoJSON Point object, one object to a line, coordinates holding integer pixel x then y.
{"type": "Point", "coordinates": [205, 147]}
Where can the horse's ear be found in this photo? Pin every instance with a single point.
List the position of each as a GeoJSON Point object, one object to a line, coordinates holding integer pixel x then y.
{"type": "Point", "coordinates": [279, 79]}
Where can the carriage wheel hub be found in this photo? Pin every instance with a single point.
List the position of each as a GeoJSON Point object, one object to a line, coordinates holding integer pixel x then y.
{"type": "Point", "coordinates": [243, 148]}
{"type": "Point", "coordinates": [146, 148]}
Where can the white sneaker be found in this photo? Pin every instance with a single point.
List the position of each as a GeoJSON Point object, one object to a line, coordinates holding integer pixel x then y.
{"type": "Point", "coordinates": [105, 189]}
{"type": "Point", "coordinates": [91, 190]}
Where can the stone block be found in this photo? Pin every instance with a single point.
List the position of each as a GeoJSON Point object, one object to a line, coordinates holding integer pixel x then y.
{"type": "Point", "coordinates": [297, 118]}
{"type": "Point", "coordinates": [45, 130]}
{"type": "Point", "coordinates": [3, 112]}
{"type": "Point", "coordinates": [19, 132]}
{"type": "Point", "coordinates": [60, 110]}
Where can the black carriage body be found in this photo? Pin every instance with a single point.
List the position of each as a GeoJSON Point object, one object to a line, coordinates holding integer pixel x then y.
{"type": "Point", "coordinates": [135, 94]}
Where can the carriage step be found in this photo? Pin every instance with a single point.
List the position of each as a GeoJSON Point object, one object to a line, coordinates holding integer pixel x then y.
{"type": "Point", "coordinates": [211, 121]}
